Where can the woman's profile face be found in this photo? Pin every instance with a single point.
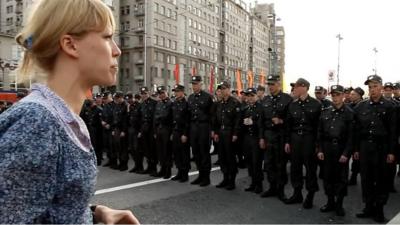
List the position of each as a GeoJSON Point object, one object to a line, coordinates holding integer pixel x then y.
{"type": "Point", "coordinates": [98, 58]}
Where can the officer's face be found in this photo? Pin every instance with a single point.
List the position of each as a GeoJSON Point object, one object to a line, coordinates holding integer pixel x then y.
{"type": "Point", "coordinates": [354, 96]}
{"type": "Point", "coordinates": [337, 98]}
{"type": "Point", "coordinates": [260, 94]}
{"type": "Point", "coordinates": [300, 90]}
{"type": "Point", "coordinates": [144, 95]}
{"type": "Point", "coordinates": [179, 94]}
{"type": "Point", "coordinates": [119, 100]}
{"type": "Point", "coordinates": [196, 87]}
{"type": "Point", "coordinates": [396, 92]}
{"type": "Point", "coordinates": [375, 89]}
{"type": "Point", "coordinates": [273, 87]}
{"type": "Point", "coordinates": [218, 94]}
{"type": "Point", "coordinates": [99, 101]}
{"type": "Point", "coordinates": [251, 98]}
{"type": "Point", "coordinates": [319, 95]}
{"type": "Point", "coordinates": [225, 92]}
{"type": "Point", "coordinates": [162, 95]}
{"type": "Point", "coordinates": [387, 92]}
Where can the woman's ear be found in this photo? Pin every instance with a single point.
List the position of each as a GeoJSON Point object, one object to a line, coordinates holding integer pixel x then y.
{"type": "Point", "coordinates": [68, 46]}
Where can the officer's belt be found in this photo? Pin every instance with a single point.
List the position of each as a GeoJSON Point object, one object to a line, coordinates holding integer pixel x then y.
{"type": "Point", "coordinates": [301, 132]}
{"type": "Point", "coordinates": [332, 140]}
{"type": "Point", "coordinates": [199, 122]}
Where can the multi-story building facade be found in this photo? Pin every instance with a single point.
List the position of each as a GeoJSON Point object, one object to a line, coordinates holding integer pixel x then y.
{"type": "Point", "coordinates": [280, 49]}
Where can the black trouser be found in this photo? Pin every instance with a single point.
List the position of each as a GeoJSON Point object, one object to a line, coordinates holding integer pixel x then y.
{"type": "Point", "coordinates": [164, 153]}
{"type": "Point", "coordinates": [355, 167]}
{"type": "Point", "coordinates": [96, 137]}
{"type": "Point", "coordinates": [375, 172]}
{"type": "Point", "coordinates": [227, 154]}
{"type": "Point", "coordinates": [254, 157]}
{"type": "Point", "coordinates": [120, 150]}
{"type": "Point", "coordinates": [303, 153]}
{"type": "Point", "coordinates": [200, 142]}
{"type": "Point", "coordinates": [181, 152]}
{"type": "Point", "coordinates": [148, 142]}
{"type": "Point", "coordinates": [136, 153]}
{"type": "Point", "coordinates": [240, 151]}
{"type": "Point", "coordinates": [275, 159]}
{"type": "Point", "coordinates": [335, 173]}
{"type": "Point", "coordinates": [107, 140]}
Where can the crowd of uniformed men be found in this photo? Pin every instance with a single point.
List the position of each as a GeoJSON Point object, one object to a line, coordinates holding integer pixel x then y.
{"type": "Point", "coordinates": [261, 132]}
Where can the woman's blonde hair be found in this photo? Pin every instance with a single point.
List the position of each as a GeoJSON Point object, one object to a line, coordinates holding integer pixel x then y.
{"type": "Point", "coordinates": [48, 22]}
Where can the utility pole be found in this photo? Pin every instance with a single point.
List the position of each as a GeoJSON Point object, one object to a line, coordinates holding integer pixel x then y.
{"type": "Point", "coordinates": [375, 59]}
{"type": "Point", "coordinates": [340, 38]}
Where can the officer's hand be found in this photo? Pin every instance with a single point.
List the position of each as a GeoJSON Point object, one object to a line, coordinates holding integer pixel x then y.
{"type": "Point", "coordinates": [122, 134]}
{"type": "Point", "coordinates": [155, 135]}
{"type": "Point", "coordinates": [216, 137]}
{"type": "Point", "coordinates": [343, 159]}
{"type": "Point", "coordinates": [390, 158]}
{"type": "Point", "coordinates": [321, 156]}
{"type": "Point", "coordinates": [112, 133]}
{"type": "Point", "coordinates": [276, 120]}
{"type": "Point", "coordinates": [287, 148]}
{"type": "Point", "coordinates": [184, 139]}
{"type": "Point", "coordinates": [356, 156]}
{"type": "Point", "coordinates": [171, 137]}
{"type": "Point", "coordinates": [234, 138]}
{"type": "Point", "coordinates": [139, 135]}
{"type": "Point", "coordinates": [262, 144]}
{"type": "Point", "coordinates": [103, 123]}
{"type": "Point", "coordinates": [107, 126]}
{"type": "Point", "coordinates": [212, 134]}
{"type": "Point", "coordinates": [107, 215]}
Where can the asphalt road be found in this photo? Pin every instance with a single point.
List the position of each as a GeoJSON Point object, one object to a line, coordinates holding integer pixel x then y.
{"type": "Point", "coordinates": [159, 201]}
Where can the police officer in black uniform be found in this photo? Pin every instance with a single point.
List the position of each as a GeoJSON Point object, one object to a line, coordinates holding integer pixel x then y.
{"type": "Point", "coordinates": [375, 140]}
{"type": "Point", "coordinates": [226, 129]}
{"type": "Point", "coordinates": [95, 128]}
{"type": "Point", "coordinates": [119, 132]}
{"type": "Point", "coordinates": [356, 96]}
{"type": "Point", "coordinates": [273, 118]}
{"type": "Point", "coordinates": [335, 146]}
{"type": "Point", "coordinates": [347, 91]}
{"type": "Point", "coordinates": [133, 130]}
{"type": "Point", "coordinates": [301, 132]}
{"type": "Point", "coordinates": [396, 91]}
{"type": "Point", "coordinates": [146, 131]}
{"type": "Point", "coordinates": [106, 120]}
{"type": "Point", "coordinates": [251, 134]}
{"type": "Point", "coordinates": [320, 94]}
{"type": "Point", "coordinates": [180, 134]}
{"type": "Point", "coordinates": [163, 129]}
{"type": "Point", "coordinates": [200, 108]}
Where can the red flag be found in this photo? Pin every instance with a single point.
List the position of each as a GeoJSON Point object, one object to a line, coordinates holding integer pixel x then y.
{"type": "Point", "coordinates": [176, 73]}
{"type": "Point", "coordinates": [262, 78]}
{"type": "Point", "coordinates": [212, 80]}
{"type": "Point", "coordinates": [250, 78]}
{"type": "Point", "coordinates": [193, 71]}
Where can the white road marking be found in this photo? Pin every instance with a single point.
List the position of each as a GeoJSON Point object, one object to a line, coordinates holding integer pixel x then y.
{"type": "Point", "coordinates": [143, 183]}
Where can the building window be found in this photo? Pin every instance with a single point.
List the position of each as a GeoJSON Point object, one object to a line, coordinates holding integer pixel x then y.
{"type": "Point", "coordinates": [10, 9]}
{"type": "Point", "coordinates": [127, 10]}
{"type": "Point", "coordinates": [155, 40]}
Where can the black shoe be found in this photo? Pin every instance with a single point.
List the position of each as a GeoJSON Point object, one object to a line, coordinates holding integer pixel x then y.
{"type": "Point", "coordinates": [269, 193]}
{"type": "Point", "coordinates": [258, 189]}
{"type": "Point", "coordinates": [99, 163]}
{"type": "Point", "coordinates": [216, 163]}
{"type": "Point", "coordinates": [281, 195]}
{"type": "Point", "coordinates": [379, 218]}
{"type": "Point", "coordinates": [296, 198]}
{"type": "Point", "coordinates": [308, 202]}
{"type": "Point", "coordinates": [251, 188]}
{"type": "Point", "coordinates": [177, 177]}
{"type": "Point", "coordinates": [205, 181]}
{"type": "Point", "coordinates": [184, 178]}
{"type": "Point", "coordinates": [167, 173]}
{"type": "Point", "coordinates": [114, 166]}
{"type": "Point", "coordinates": [123, 167]}
{"type": "Point", "coordinates": [230, 186]}
{"type": "Point", "coordinates": [340, 211]}
{"type": "Point", "coordinates": [353, 180]}
{"type": "Point", "coordinates": [222, 184]}
{"type": "Point", "coordinates": [327, 208]}
{"type": "Point", "coordinates": [366, 213]}
{"type": "Point", "coordinates": [392, 189]}
{"type": "Point", "coordinates": [141, 171]}
{"type": "Point", "coordinates": [242, 164]}
{"type": "Point", "coordinates": [107, 164]}
{"type": "Point", "coordinates": [197, 181]}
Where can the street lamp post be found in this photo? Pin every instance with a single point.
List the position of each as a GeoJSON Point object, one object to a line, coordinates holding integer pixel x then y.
{"type": "Point", "coordinates": [272, 50]}
{"type": "Point", "coordinates": [340, 38]}
{"type": "Point", "coordinates": [375, 50]}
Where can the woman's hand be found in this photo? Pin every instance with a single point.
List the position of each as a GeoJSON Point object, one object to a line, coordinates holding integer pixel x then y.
{"type": "Point", "coordinates": [107, 215]}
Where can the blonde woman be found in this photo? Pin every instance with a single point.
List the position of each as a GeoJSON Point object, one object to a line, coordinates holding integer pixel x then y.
{"type": "Point", "coordinates": [47, 164]}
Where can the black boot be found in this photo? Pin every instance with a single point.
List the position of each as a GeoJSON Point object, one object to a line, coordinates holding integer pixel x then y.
{"type": "Point", "coordinates": [329, 206]}
{"type": "Point", "coordinates": [368, 211]}
{"type": "Point", "coordinates": [198, 179]}
{"type": "Point", "coordinates": [353, 179]}
{"type": "Point", "coordinates": [160, 173]}
{"type": "Point", "coordinates": [339, 206]}
{"type": "Point", "coordinates": [167, 173]}
{"type": "Point", "coordinates": [184, 176]}
{"type": "Point", "coordinates": [297, 197]}
{"type": "Point", "coordinates": [152, 170]}
{"type": "Point", "coordinates": [177, 176]}
{"type": "Point", "coordinates": [308, 202]}
{"type": "Point", "coordinates": [114, 164]}
{"type": "Point", "coordinates": [205, 181]}
{"type": "Point", "coordinates": [250, 188]}
{"type": "Point", "coordinates": [281, 194]}
{"type": "Point", "coordinates": [258, 188]}
{"type": "Point", "coordinates": [270, 192]}
{"type": "Point", "coordinates": [224, 182]}
{"type": "Point", "coordinates": [123, 166]}
{"type": "Point", "coordinates": [231, 182]}
{"type": "Point", "coordinates": [379, 216]}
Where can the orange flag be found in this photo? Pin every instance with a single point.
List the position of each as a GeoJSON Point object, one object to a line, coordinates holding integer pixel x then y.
{"type": "Point", "coordinates": [239, 86]}
{"type": "Point", "coordinates": [262, 78]}
{"type": "Point", "coordinates": [250, 78]}
{"type": "Point", "coordinates": [176, 73]}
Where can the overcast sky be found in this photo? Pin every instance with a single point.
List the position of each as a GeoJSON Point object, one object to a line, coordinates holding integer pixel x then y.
{"type": "Point", "coordinates": [311, 27]}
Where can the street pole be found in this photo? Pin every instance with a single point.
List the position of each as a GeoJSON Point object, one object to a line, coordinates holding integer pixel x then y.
{"type": "Point", "coordinates": [340, 38]}
{"type": "Point", "coordinates": [376, 56]}
{"type": "Point", "coordinates": [145, 44]}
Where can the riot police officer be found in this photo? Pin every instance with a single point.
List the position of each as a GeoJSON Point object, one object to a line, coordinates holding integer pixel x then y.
{"type": "Point", "coordinates": [163, 128]}
{"type": "Point", "coordinates": [335, 145]}
{"type": "Point", "coordinates": [146, 131]}
{"type": "Point", "coordinates": [375, 140]}
{"type": "Point", "coordinates": [180, 134]}
{"type": "Point", "coordinates": [95, 128]}
{"type": "Point", "coordinates": [106, 120]}
{"type": "Point", "coordinates": [226, 131]}
{"type": "Point", "coordinates": [300, 136]}
{"type": "Point", "coordinates": [273, 119]}
{"type": "Point", "coordinates": [119, 132]}
{"type": "Point", "coordinates": [320, 94]}
{"type": "Point", "coordinates": [200, 109]}
{"type": "Point", "coordinates": [133, 130]}
{"type": "Point", "coordinates": [251, 134]}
